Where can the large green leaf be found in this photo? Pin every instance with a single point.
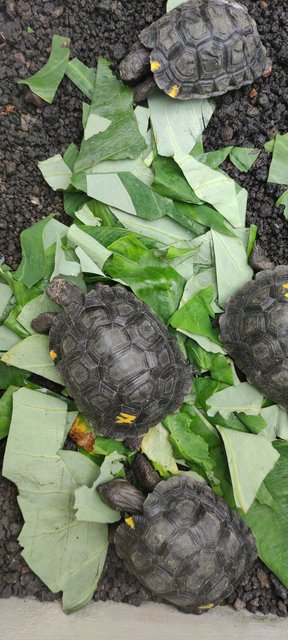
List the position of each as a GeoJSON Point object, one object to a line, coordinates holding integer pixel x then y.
{"type": "Point", "coordinates": [67, 555]}
{"type": "Point", "coordinates": [78, 238]}
{"type": "Point", "coordinates": [187, 444]}
{"type": "Point", "coordinates": [46, 81]}
{"type": "Point", "coordinates": [163, 230]}
{"type": "Point", "coordinates": [250, 458]}
{"type": "Point", "coordinates": [170, 182]}
{"type": "Point", "coordinates": [33, 308]}
{"type": "Point", "coordinates": [32, 354]}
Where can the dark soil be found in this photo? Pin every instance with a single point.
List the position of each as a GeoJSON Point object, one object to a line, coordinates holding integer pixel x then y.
{"type": "Point", "coordinates": [30, 133]}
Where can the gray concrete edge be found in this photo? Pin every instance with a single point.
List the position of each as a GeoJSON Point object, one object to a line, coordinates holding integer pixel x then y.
{"type": "Point", "coordinates": [28, 619]}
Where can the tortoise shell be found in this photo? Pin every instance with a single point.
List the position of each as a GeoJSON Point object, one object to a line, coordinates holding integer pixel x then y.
{"type": "Point", "coordinates": [204, 48]}
{"type": "Point", "coordinates": [118, 362]}
{"type": "Point", "coordinates": [254, 331]}
{"type": "Point", "coordinates": [188, 546]}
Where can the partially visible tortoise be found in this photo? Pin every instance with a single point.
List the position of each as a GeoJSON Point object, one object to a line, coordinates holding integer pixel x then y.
{"type": "Point", "coordinates": [184, 543]}
{"type": "Point", "coordinates": [254, 332]}
{"type": "Point", "coordinates": [117, 359]}
{"type": "Point", "coordinates": [200, 49]}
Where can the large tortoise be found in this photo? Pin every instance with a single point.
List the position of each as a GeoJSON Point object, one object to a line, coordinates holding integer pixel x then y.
{"type": "Point", "coordinates": [202, 48]}
{"type": "Point", "coordinates": [184, 543]}
{"type": "Point", "coordinates": [117, 359]}
{"type": "Point", "coordinates": [254, 332]}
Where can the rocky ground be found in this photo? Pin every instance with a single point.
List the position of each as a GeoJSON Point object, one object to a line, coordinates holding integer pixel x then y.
{"type": "Point", "coordinates": [30, 133]}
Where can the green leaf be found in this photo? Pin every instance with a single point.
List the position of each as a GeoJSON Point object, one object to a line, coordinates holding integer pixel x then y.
{"type": "Point", "coordinates": [211, 186]}
{"type": "Point", "coordinates": [160, 287]}
{"type": "Point", "coordinates": [218, 364]}
{"type": "Point", "coordinates": [46, 81]}
{"type": "Point", "coordinates": [170, 182]}
{"type": "Point", "coordinates": [8, 338]}
{"type": "Point", "coordinates": [163, 230]}
{"type": "Point", "coordinates": [70, 155]}
{"type": "Point", "coordinates": [278, 172]}
{"type": "Point", "coordinates": [6, 410]}
{"type": "Point", "coordinates": [171, 4]}
{"type": "Point", "coordinates": [242, 398]}
{"type": "Point", "coordinates": [243, 158]}
{"type": "Point", "coordinates": [34, 261]}
{"type": "Point", "coordinates": [88, 504]}
{"type": "Point", "coordinates": [67, 555]}
{"type": "Point", "coordinates": [56, 172]}
{"type": "Point", "coordinates": [232, 269]}
{"type": "Point", "coordinates": [202, 214]}
{"type": "Point", "coordinates": [250, 458]}
{"type": "Point", "coordinates": [83, 77]}
{"type": "Point", "coordinates": [253, 230]}
{"type": "Point", "coordinates": [74, 200]}
{"type": "Point", "coordinates": [78, 238]}
{"type": "Point", "coordinates": [130, 194]}
{"type": "Point", "coordinates": [194, 316]}
{"type": "Point", "coordinates": [213, 159]}
{"type": "Point", "coordinates": [275, 422]}
{"type": "Point", "coordinates": [269, 145]}
{"type": "Point", "coordinates": [32, 354]}
{"type": "Point", "coordinates": [177, 124]}
{"type": "Point", "coordinates": [186, 444]}
{"type": "Point", "coordinates": [12, 376]}
{"type": "Point", "coordinates": [270, 525]}
{"type": "Point", "coordinates": [156, 446]}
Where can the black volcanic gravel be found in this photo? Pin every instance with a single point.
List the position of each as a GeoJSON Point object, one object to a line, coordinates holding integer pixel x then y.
{"type": "Point", "coordinates": [29, 133]}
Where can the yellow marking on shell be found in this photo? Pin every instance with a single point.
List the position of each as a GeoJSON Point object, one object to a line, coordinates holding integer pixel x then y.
{"type": "Point", "coordinates": [206, 606]}
{"type": "Point", "coordinates": [125, 418]}
{"type": "Point", "coordinates": [130, 522]}
{"type": "Point", "coordinates": [53, 354]}
{"type": "Point", "coordinates": [285, 285]}
{"type": "Point", "coordinates": [155, 65]}
{"type": "Point", "coordinates": [173, 93]}
{"type": "Point", "coordinates": [286, 295]}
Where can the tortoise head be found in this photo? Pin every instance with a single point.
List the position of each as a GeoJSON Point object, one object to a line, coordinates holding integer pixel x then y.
{"type": "Point", "coordinates": [136, 64]}
{"type": "Point", "coordinates": [61, 292]}
{"type": "Point", "coordinates": [120, 494]}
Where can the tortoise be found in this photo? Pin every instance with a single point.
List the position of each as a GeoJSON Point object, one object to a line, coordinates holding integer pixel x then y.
{"type": "Point", "coordinates": [200, 49]}
{"type": "Point", "coordinates": [185, 544]}
{"type": "Point", "coordinates": [254, 332]}
{"type": "Point", "coordinates": [116, 358]}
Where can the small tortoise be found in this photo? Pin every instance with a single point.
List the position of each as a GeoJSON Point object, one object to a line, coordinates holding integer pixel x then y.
{"type": "Point", "coordinates": [185, 545]}
{"type": "Point", "coordinates": [202, 48]}
{"type": "Point", "coordinates": [117, 359]}
{"type": "Point", "coordinates": [254, 332]}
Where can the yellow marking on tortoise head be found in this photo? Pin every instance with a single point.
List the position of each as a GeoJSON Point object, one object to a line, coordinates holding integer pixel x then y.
{"type": "Point", "coordinates": [125, 418]}
{"type": "Point", "coordinates": [130, 522]}
{"type": "Point", "coordinates": [53, 354]}
{"type": "Point", "coordinates": [155, 65]}
{"type": "Point", "coordinates": [173, 93]}
{"type": "Point", "coordinates": [206, 606]}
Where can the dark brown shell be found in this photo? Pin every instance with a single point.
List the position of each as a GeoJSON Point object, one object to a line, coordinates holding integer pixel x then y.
{"type": "Point", "coordinates": [119, 362]}
{"type": "Point", "coordinates": [205, 48]}
{"type": "Point", "coordinates": [254, 331]}
{"type": "Point", "coordinates": [188, 547]}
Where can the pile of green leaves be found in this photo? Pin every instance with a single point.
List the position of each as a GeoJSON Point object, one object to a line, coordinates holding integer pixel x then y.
{"type": "Point", "coordinates": [152, 211]}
